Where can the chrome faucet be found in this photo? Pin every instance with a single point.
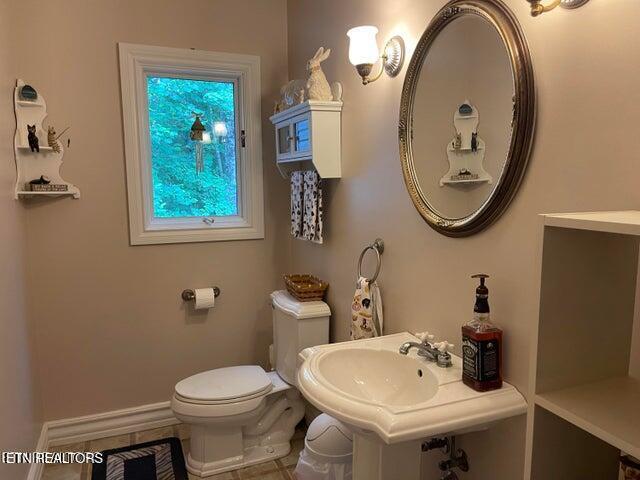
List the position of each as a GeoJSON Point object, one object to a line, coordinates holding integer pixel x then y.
{"type": "Point", "coordinates": [433, 352]}
{"type": "Point", "coordinates": [425, 350]}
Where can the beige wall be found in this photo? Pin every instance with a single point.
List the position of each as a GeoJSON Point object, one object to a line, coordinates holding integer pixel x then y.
{"type": "Point", "coordinates": [584, 158]}
{"type": "Point", "coordinates": [19, 418]}
{"type": "Point", "coordinates": [111, 330]}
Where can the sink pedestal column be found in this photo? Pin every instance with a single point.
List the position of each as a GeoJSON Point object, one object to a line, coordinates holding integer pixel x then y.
{"type": "Point", "coordinates": [375, 460]}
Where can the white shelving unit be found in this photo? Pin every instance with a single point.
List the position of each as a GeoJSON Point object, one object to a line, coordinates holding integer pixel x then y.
{"type": "Point", "coordinates": [308, 136]}
{"type": "Point", "coordinates": [584, 405]}
{"type": "Point", "coordinates": [31, 165]}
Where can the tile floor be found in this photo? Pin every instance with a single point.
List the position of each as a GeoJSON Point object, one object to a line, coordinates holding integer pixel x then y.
{"type": "Point", "coordinates": [281, 469]}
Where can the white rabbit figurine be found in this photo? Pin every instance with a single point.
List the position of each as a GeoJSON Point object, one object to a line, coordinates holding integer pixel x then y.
{"type": "Point", "coordinates": [317, 86]}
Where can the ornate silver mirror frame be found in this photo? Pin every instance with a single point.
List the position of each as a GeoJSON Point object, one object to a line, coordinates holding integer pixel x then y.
{"type": "Point", "coordinates": [497, 14]}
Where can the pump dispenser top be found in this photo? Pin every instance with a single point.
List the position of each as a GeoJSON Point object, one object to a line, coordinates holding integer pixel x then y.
{"type": "Point", "coordinates": [482, 289]}
{"type": "Point", "coordinates": [482, 295]}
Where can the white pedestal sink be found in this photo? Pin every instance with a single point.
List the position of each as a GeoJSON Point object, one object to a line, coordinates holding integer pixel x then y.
{"type": "Point", "coordinates": [394, 402]}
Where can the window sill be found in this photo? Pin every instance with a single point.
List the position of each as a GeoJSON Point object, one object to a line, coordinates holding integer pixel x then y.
{"type": "Point", "coordinates": [192, 235]}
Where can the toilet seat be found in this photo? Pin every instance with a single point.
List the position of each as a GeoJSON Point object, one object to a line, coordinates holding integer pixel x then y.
{"type": "Point", "coordinates": [215, 409]}
{"type": "Point", "coordinates": [223, 402]}
{"type": "Point", "coordinates": [224, 385]}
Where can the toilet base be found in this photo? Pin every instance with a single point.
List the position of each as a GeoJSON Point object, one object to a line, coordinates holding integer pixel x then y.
{"type": "Point", "coordinates": [251, 456]}
{"type": "Point", "coordinates": [221, 443]}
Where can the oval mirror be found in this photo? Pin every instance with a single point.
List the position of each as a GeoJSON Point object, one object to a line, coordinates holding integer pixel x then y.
{"type": "Point", "coordinates": [467, 116]}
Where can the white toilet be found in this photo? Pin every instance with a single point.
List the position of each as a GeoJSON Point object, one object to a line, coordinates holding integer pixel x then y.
{"type": "Point", "coordinates": [240, 416]}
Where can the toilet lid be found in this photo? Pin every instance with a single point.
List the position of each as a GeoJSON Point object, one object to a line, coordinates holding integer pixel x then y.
{"type": "Point", "coordinates": [225, 383]}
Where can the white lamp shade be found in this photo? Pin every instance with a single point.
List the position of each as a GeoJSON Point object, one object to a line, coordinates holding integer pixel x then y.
{"type": "Point", "coordinates": [206, 137]}
{"type": "Point", "coordinates": [363, 47]}
{"type": "Point", "coordinates": [220, 129]}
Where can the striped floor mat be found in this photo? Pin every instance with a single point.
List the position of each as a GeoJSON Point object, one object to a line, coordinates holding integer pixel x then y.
{"type": "Point", "coordinates": [157, 460]}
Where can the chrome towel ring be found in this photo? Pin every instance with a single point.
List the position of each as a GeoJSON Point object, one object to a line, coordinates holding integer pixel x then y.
{"type": "Point", "coordinates": [378, 247]}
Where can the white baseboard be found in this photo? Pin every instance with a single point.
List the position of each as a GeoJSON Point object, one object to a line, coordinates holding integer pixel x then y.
{"type": "Point", "coordinates": [108, 424]}
{"type": "Point", "coordinates": [101, 425]}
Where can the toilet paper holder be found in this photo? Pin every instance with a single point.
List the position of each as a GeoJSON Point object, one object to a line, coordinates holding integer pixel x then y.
{"type": "Point", "coordinates": [189, 295]}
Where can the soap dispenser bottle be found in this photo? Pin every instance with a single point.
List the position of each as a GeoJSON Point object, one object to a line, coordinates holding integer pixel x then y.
{"type": "Point", "coordinates": [481, 345]}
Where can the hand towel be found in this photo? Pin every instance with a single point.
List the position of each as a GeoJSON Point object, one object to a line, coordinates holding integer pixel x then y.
{"type": "Point", "coordinates": [376, 298]}
{"type": "Point", "coordinates": [296, 203]}
{"type": "Point", "coordinates": [366, 311]}
{"type": "Point", "coordinates": [312, 207]}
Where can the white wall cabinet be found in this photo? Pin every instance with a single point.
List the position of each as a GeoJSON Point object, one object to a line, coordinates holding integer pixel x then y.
{"type": "Point", "coordinates": [308, 136]}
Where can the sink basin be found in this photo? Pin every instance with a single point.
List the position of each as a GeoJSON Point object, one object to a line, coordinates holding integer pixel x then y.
{"type": "Point", "coordinates": [378, 377]}
{"type": "Point", "coordinates": [368, 385]}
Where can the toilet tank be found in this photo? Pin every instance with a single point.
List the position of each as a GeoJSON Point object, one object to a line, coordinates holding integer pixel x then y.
{"type": "Point", "coordinates": [296, 326]}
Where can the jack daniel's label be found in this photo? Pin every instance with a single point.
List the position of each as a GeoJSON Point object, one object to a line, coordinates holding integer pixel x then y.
{"type": "Point", "coordinates": [480, 359]}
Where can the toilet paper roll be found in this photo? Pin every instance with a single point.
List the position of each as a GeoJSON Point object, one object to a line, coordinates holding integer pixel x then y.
{"type": "Point", "coordinates": [205, 298]}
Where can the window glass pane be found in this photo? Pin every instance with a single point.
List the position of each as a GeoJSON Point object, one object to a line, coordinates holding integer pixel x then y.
{"type": "Point", "coordinates": [179, 190]}
{"type": "Point", "coordinates": [284, 146]}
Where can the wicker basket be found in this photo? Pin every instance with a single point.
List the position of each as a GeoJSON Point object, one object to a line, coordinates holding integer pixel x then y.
{"type": "Point", "coordinates": [305, 288]}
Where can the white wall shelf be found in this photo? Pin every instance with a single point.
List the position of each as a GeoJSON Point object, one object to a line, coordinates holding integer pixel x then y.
{"type": "Point", "coordinates": [27, 193]}
{"type": "Point", "coordinates": [584, 398]}
{"type": "Point", "coordinates": [31, 165]}
{"type": "Point", "coordinates": [308, 136]}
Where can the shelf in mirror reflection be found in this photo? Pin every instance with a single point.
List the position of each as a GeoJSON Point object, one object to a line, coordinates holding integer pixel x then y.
{"type": "Point", "coordinates": [464, 182]}
{"type": "Point", "coordinates": [43, 148]}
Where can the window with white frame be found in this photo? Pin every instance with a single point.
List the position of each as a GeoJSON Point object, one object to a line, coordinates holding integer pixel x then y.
{"type": "Point", "coordinates": [192, 144]}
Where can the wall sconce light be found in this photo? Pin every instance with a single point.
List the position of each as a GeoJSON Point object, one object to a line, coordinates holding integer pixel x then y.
{"type": "Point", "coordinates": [538, 8]}
{"type": "Point", "coordinates": [220, 131]}
{"type": "Point", "coordinates": [363, 53]}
